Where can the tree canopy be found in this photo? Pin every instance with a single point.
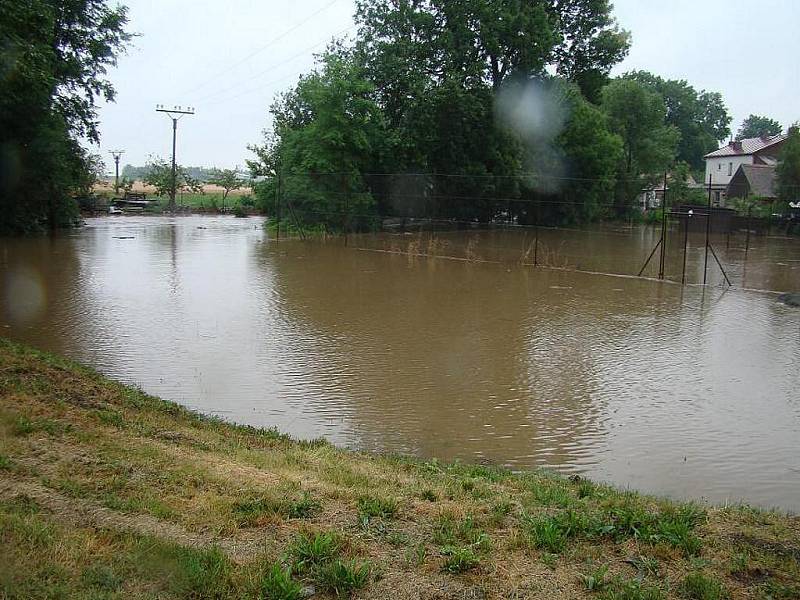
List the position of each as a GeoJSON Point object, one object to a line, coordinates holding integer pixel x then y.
{"type": "Point", "coordinates": [701, 117]}
{"type": "Point", "coordinates": [787, 170]}
{"type": "Point", "coordinates": [756, 126]}
{"type": "Point", "coordinates": [419, 116]}
{"type": "Point", "coordinates": [55, 57]}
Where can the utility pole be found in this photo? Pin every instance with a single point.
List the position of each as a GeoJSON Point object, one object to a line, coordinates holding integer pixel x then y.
{"type": "Point", "coordinates": [171, 113]}
{"type": "Point", "coordinates": [116, 154]}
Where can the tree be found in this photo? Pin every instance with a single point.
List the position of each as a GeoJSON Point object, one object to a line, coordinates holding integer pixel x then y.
{"type": "Point", "coordinates": [701, 118]}
{"type": "Point", "coordinates": [159, 175]}
{"type": "Point", "coordinates": [787, 170]}
{"type": "Point", "coordinates": [227, 179]}
{"type": "Point", "coordinates": [328, 133]}
{"type": "Point", "coordinates": [591, 43]}
{"type": "Point", "coordinates": [638, 115]}
{"type": "Point", "coordinates": [755, 126]}
{"type": "Point", "coordinates": [62, 51]}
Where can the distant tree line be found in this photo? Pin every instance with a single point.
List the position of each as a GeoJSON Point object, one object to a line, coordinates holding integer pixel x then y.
{"type": "Point", "coordinates": [480, 110]}
{"type": "Point", "coordinates": [200, 174]}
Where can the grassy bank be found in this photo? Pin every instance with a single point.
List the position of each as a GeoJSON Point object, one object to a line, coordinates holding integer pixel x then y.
{"type": "Point", "coordinates": [106, 492]}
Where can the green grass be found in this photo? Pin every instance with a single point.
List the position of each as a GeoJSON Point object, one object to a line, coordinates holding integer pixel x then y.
{"type": "Point", "coordinates": [277, 584]}
{"type": "Point", "coordinates": [343, 577]}
{"type": "Point", "coordinates": [370, 506]}
{"type": "Point", "coordinates": [698, 586]}
{"type": "Point", "coordinates": [459, 558]}
{"type": "Point", "coordinates": [309, 551]}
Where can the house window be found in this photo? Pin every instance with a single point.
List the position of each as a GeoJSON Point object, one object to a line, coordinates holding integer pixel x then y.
{"type": "Point", "coordinates": [730, 169]}
{"type": "Point", "coordinates": [719, 167]}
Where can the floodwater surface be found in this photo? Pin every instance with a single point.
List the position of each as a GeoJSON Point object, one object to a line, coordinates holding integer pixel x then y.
{"type": "Point", "coordinates": [470, 353]}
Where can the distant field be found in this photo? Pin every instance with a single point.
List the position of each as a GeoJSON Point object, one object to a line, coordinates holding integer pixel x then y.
{"type": "Point", "coordinates": [105, 187]}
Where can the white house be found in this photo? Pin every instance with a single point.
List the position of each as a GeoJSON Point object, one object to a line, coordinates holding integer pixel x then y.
{"type": "Point", "coordinates": [722, 164]}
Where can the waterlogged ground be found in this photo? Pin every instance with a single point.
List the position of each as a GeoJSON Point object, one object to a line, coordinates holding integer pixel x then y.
{"type": "Point", "coordinates": [682, 391]}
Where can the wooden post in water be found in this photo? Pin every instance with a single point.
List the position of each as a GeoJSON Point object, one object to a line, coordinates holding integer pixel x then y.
{"type": "Point", "coordinates": [685, 241]}
{"type": "Point", "coordinates": [663, 255]}
{"type": "Point", "coordinates": [747, 235]}
{"type": "Point", "coordinates": [277, 205]}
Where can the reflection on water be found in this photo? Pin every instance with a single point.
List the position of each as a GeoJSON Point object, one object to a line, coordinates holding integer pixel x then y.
{"type": "Point", "coordinates": [681, 391]}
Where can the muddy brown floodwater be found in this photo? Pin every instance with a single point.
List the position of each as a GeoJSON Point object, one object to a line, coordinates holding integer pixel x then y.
{"type": "Point", "coordinates": [683, 391]}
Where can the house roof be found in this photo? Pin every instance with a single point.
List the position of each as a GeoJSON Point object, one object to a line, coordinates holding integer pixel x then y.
{"type": "Point", "coordinates": [748, 146]}
{"type": "Point", "coordinates": [760, 177]}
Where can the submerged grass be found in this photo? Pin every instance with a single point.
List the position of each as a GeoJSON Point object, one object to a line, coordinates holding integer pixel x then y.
{"type": "Point", "coordinates": [106, 492]}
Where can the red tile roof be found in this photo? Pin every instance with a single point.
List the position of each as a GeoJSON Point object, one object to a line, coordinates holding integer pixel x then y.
{"type": "Point", "coordinates": [748, 146]}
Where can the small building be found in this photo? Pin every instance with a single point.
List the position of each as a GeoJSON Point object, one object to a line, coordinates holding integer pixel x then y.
{"type": "Point", "coordinates": [724, 163]}
{"type": "Point", "coordinates": [753, 180]}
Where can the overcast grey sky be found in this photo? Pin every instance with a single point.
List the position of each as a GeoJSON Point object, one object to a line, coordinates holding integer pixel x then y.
{"type": "Point", "coordinates": [230, 59]}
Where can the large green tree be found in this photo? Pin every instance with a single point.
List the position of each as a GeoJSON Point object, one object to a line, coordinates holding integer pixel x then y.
{"type": "Point", "coordinates": [638, 114]}
{"type": "Point", "coordinates": [788, 169]}
{"type": "Point", "coordinates": [757, 126]}
{"type": "Point", "coordinates": [328, 133]}
{"type": "Point", "coordinates": [54, 56]}
{"type": "Point", "coordinates": [701, 117]}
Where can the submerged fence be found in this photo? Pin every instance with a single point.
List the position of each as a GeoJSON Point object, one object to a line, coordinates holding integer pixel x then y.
{"type": "Point", "coordinates": [471, 220]}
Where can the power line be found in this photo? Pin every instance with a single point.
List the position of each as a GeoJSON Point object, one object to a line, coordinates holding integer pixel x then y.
{"type": "Point", "coordinates": [260, 87]}
{"type": "Point", "coordinates": [260, 49]}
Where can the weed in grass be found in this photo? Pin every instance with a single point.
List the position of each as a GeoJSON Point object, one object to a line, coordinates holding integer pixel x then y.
{"type": "Point", "coordinates": [251, 512]}
{"type": "Point", "coordinates": [552, 494]}
{"type": "Point", "coordinates": [546, 534]}
{"type": "Point", "coordinates": [5, 463]}
{"type": "Point", "coordinates": [398, 538]}
{"type": "Point", "coordinates": [343, 578]}
{"type": "Point", "coordinates": [102, 577]}
{"type": "Point", "coordinates": [308, 551]}
{"type": "Point", "coordinates": [452, 532]}
{"type": "Point", "coordinates": [429, 495]}
{"type": "Point", "coordinates": [647, 565]}
{"type": "Point", "coordinates": [369, 507]}
{"type": "Point", "coordinates": [549, 559]}
{"type": "Point", "coordinates": [586, 489]}
{"type": "Point", "coordinates": [679, 535]}
{"type": "Point", "coordinates": [773, 590]}
{"type": "Point", "coordinates": [499, 511]}
{"type": "Point", "coordinates": [24, 426]}
{"type": "Point", "coordinates": [739, 563]}
{"type": "Point", "coordinates": [22, 504]}
{"type": "Point", "coordinates": [110, 417]}
{"type": "Point", "coordinates": [459, 558]}
{"type": "Point", "coordinates": [631, 589]}
{"type": "Point", "coordinates": [277, 584]}
{"type": "Point", "coordinates": [551, 533]}
{"type": "Point", "coordinates": [190, 572]}
{"type": "Point", "coordinates": [416, 555]}
{"type": "Point", "coordinates": [595, 581]}
{"type": "Point", "coordinates": [303, 508]}
{"type": "Point", "coordinates": [698, 586]}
